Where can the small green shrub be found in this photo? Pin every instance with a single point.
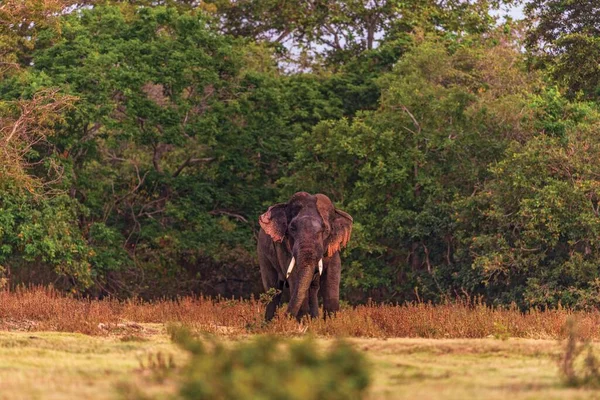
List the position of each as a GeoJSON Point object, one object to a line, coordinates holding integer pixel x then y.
{"type": "Point", "coordinates": [501, 331]}
{"type": "Point", "coordinates": [270, 368]}
{"type": "Point", "coordinates": [267, 297]}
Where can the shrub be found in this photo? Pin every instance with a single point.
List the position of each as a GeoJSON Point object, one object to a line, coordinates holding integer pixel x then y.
{"type": "Point", "coordinates": [578, 370]}
{"type": "Point", "coordinates": [270, 368]}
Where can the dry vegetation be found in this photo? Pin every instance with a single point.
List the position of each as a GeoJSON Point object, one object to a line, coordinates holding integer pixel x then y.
{"type": "Point", "coordinates": [25, 124]}
{"type": "Point", "coordinates": [129, 347]}
{"type": "Point", "coordinates": [38, 309]}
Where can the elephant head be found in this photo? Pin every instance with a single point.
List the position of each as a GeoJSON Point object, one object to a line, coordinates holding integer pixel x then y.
{"type": "Point", "coordinates": [311, 229]}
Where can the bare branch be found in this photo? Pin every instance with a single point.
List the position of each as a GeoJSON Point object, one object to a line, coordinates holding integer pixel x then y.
{"type": "Point", "coordinates": [159, 150]}
{"type": "Point", "coordinates": [25, 124]}
{"type": "Point", "coordinates": [229, 214]}
{"type": "Point", "coordinates": [191, 161]}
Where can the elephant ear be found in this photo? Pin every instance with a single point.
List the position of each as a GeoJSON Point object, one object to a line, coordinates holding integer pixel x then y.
{"type": "Point", "coordinates": [341, 229]}
{"type": "Point", "coordinates": [274, 222]}
{"type": "Point", "coordinates": [337, 222]}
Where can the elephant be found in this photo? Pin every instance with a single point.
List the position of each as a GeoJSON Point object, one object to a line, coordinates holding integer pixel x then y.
{"type": "Point", "coordinates": [299, 246]}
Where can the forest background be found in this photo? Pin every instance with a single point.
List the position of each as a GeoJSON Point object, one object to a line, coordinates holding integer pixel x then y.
{"type": "Point", "coordinates": [140, 141]}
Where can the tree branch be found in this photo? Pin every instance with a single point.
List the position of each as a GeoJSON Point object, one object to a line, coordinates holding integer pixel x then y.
{"type": "Point", "coordinates": [229, 214]}
{"type": "Point", "coordinates": [191, 161]}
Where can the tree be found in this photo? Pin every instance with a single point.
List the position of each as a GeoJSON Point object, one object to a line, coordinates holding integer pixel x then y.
{"type": "Point", "coordinates": [174, 144]}
{"type": "Point", "coordinates": [20, 22]}
{"type": "Point", "coordinates": [36, 228]}
{"type": "Point", "coordinates": [341, 30]}
{"type": "Point", "coordinates": [445, 115]}
{"type": "Point", "coordinates": [565, 38]}
{"type": "Point", "coordinates": [531, 231]}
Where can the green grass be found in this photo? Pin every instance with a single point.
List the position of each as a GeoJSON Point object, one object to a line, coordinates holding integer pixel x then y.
{"type": "Point", "coordinates": [50, 365]}
{"type": "Point", "coordinates": [468, 369]}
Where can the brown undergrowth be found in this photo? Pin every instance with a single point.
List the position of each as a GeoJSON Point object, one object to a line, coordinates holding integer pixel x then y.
{"type": "Point", "coordinates": [37, 309]}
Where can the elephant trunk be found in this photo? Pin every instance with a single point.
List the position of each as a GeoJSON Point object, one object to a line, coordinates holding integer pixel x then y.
{"type": "Point", "coordinates": [305, 274]}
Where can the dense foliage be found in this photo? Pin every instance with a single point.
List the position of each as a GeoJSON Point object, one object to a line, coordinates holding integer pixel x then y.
{"type": "Point", "coordinates": [139, 143]}
{"type": "Point", "coordinates": [269, 368]}
{"type": "Point", "coordinates": [565, 40]}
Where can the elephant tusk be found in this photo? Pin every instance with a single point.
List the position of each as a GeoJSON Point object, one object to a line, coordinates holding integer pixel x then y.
{"type": "Point", "coordinates": [291, 267]}
{"type": "Point", "coordinates": [321, 266]}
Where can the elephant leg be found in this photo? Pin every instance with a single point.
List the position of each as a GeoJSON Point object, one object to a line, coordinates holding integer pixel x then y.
{"type": "Point", "coordinates": [271, 281]}
{"type": "Point", "coordinates": [330, 285]}
{"type": "Point", "coordinates": [275, 301]}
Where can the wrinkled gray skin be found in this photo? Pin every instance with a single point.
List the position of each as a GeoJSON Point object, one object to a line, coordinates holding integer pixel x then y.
{"type": "Point", "coordinates": [309, 229]}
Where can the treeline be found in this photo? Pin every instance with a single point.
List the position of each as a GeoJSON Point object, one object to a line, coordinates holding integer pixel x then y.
{"type": "Point", "coordinates": [139, 143]}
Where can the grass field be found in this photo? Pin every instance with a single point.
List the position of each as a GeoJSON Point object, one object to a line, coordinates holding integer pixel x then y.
{"type": "Point", "coordinates": [57, 347]}
{"type": "Point", "coordinates": [50, 365]}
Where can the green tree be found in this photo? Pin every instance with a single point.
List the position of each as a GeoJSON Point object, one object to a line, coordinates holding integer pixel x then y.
{"type": "Point", "coordinates": [565, 38]}
{"type": "Point", "coordinates": [20, 22]}
{"type": "Point", "coordinates": [445, 115]}
{"type": "Point", "coordinates": [342, 30]}
{"type": "Point", "coordinates": [37, 236]}
{"type": "Point", "coordinates": [39, 243]}
{"type": "Point", "coordinates": [531, 231]}
{"type": "Point", "coordinates": [174, 144]}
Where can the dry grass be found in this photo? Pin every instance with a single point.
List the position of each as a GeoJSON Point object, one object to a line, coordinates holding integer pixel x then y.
{"type": "Point", "coordinates": [43, 309]}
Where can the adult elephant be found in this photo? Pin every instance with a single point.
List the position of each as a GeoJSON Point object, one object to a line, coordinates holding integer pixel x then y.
{"type": "Point", "coordinates": [299, 242]}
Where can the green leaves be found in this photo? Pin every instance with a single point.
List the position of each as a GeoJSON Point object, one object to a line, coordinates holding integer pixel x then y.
{"type": "Point", "coordinates": [175, 141]}
{"type": "Point", "coordinates": [268, 368]}
{"type": "Point", "coordinates": [338, 33]}
{"type": "Point", "coordinates": [149, 138]}
{"type": "Point", "coordinates": [564, 40]}
{"type": "Point", "coordinates": [404, 168]}
{"type": "Point", "coordinates": [38, 234]}
{"type": "Point", "coordinates": [538, 218]}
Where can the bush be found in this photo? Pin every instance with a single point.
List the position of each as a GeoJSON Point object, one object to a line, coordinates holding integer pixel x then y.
{"type": "Point", "coordinates": [576, 369]}
{"type": "Point", "coordinates": [269, 368]}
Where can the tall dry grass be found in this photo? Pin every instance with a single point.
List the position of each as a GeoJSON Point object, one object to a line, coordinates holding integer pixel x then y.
{"type": "Point", "coordinates": [46, 309]}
